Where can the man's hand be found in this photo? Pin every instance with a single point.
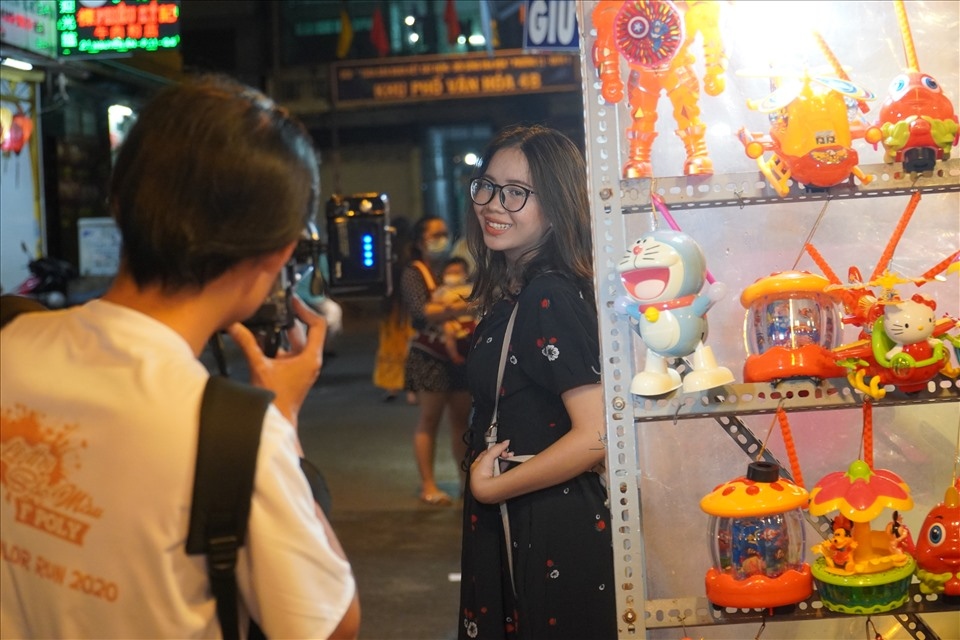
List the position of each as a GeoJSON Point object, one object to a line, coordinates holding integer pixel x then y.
{"type": "Point", "coordinates": [291, 373]}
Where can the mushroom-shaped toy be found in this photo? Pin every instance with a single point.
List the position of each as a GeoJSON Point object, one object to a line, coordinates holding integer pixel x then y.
{"type": "Point", "coordinates": [757, 540]}
{"type": "Point", "coordinates": [873, 577]}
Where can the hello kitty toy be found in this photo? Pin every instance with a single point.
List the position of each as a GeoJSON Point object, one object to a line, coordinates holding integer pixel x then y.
{"type": "Point", "coordinates": [663, 273]}
{"type": "Point", "coordinates": [903, 349]}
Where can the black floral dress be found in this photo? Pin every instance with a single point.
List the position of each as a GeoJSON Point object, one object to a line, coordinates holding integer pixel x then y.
{"type": "Point", "coordinates": [562, 554]}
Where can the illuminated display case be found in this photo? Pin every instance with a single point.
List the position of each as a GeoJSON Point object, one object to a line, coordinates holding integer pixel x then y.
{"type": "Point", "coordinates": [664, 453]}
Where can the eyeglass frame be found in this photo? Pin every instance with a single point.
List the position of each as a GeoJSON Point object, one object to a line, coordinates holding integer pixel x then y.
{"type": "Point", "coordinates": [500, 187]}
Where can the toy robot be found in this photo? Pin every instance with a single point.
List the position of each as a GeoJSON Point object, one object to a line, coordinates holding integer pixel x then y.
{"type": "Point", "coordinates": [663, 273]}
{"type": "Point", "coordinates": [654, 38]}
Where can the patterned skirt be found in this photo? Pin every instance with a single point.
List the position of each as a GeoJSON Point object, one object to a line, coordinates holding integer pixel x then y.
{"type": "Point", "coordinates": [423, 372]}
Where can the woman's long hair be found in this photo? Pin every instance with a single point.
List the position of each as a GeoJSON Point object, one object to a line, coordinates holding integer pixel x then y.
{"type": "Point", "coordinates": [559, 177]}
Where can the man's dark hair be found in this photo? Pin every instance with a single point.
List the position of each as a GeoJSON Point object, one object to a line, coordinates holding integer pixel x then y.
{"type": "Point", "coordinates": [212, 173]}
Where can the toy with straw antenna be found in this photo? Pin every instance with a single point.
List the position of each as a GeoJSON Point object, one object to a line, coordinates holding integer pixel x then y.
{"type": "Point", "coordinates": [938, 542]}
{"type": "Point", "coordinates": [938, 547]}
{"type": "Point", "coordinates": [918, 122]}
{"type": "Point", "coordinates": [902, 342]}
{"type": "Point", "coordinates": [811, 134]}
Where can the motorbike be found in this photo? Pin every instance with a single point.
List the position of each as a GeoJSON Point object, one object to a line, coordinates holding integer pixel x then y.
{"type": "Point", "coordinates": [48, 280]}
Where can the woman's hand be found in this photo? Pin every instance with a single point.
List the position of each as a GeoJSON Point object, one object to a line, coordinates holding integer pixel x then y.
{"type": "Point", "coordinates": [484, 472]}
{"type": "Point", "coordinates": [291, 374]}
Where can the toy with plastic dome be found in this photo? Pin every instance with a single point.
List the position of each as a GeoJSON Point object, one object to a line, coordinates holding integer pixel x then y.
{"type": "Point", "coordinates": [663, 273]}
{"type": "Point", "coordinates": [790, 328]}
{"type": "Point", "coordinates": [918, 122]}
{"type": "Point", "coordinates": [757, 540]}
{"type": "Point", "coordinates": [654, 38]}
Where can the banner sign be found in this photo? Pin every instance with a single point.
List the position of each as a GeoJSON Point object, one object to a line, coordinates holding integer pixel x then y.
{"type": "Point", "coordinates": [94, 27]}
{"type": "Point", "coordinates": [551, 25]}
{"type": "Point", "coordinates": [29, 25]}
{"type": "Point", "coordinates": [369, 82]}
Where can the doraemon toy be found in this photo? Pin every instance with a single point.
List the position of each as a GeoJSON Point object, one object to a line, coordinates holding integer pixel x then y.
{"type": "Point", "coordinates": [663, 273]}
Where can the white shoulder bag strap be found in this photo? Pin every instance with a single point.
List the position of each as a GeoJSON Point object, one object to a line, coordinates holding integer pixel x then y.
{"type": "Point", "coordinates": [491, 439]}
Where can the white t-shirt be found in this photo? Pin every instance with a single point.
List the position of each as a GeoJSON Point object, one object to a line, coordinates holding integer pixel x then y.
{"type": "Point", "coordinates": [99, 410]}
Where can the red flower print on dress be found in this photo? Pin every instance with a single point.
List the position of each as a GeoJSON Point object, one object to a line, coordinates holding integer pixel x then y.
{"type": "Point", "coordinates": [545, 303]}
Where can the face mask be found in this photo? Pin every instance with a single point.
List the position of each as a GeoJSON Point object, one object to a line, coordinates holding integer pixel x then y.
{"type": "Point", "coordinates": [438, 247]}
{"type": "Point", "coordinates": [454, 281]}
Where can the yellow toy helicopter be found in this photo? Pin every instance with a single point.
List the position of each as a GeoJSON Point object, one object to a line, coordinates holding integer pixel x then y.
{"type": "Point", "coordinates": [811, 135]}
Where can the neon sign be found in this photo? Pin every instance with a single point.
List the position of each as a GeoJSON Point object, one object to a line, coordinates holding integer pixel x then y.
{"type": "Point", "coordinates": [29, 25]}
{"type": "Point", "coordinates": [98, 27]}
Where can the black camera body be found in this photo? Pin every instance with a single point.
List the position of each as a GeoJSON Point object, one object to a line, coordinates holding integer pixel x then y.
{"type": "Point", "coordinates": [360, 245]}
{"type": "Point", "coordinates": [276, 314]}
{"type": "Point", "coordinates": [359, 251]}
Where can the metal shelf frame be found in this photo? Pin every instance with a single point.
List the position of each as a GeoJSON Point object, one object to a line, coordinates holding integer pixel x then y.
{"type": "Point", "coordinates": [699, 612]}
{"type": "Point", "coordinates": [611, 198]}
{"type": "Point", "coordinates": [750, 189]}
{"type": "Point", "coordinates": [792, 395]}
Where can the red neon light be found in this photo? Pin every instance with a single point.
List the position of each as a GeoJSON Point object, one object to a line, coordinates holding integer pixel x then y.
{"type": "Point", "coordinates": [127, 15]}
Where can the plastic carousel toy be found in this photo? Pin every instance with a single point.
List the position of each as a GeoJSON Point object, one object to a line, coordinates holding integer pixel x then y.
{"type": "Point", "coordinates": [859, 571]}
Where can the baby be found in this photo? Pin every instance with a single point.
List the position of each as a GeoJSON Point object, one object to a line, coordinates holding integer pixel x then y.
{"type": "Point", "coordinates": [455, 287]}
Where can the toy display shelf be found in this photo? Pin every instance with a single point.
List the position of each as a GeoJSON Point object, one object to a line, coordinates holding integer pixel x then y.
{"type": "Point", "coordinates": [765, 398]}
{"type": "Point", "coordinates": [743, 189]}
{"type": "Point", "coordinates": [699, 612]}
{"type": "Point", "coordinates": [612, 201]}
{"type": "Point", "coordinates": [792, 395]}
{"type": "Point", "coordinates": [630, 420]}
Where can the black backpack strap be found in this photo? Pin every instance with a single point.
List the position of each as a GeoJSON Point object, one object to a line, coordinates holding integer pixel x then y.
{"type": "Point", "coordinates": [231, 418]}
{"type": "Point", "coordinates": [13, 305]}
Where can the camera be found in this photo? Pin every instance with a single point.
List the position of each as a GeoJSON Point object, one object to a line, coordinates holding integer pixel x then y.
{"type": "Point", "coordinates": [276, 315]}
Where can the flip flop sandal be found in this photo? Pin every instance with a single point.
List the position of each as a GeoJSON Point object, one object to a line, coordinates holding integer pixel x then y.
{"type": "Point", "coordinates": [439, 499]}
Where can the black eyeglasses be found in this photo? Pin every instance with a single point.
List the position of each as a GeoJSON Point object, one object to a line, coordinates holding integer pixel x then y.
{"type": "Point", "coordinates": [512, 196]}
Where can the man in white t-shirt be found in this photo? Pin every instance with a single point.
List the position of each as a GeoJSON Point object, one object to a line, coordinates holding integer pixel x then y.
{"type": "Point", "coordinates": [99, 404]}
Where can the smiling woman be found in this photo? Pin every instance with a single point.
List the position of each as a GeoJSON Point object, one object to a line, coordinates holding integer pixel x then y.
{"type": "Point", "coordinates": [534, 270]}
